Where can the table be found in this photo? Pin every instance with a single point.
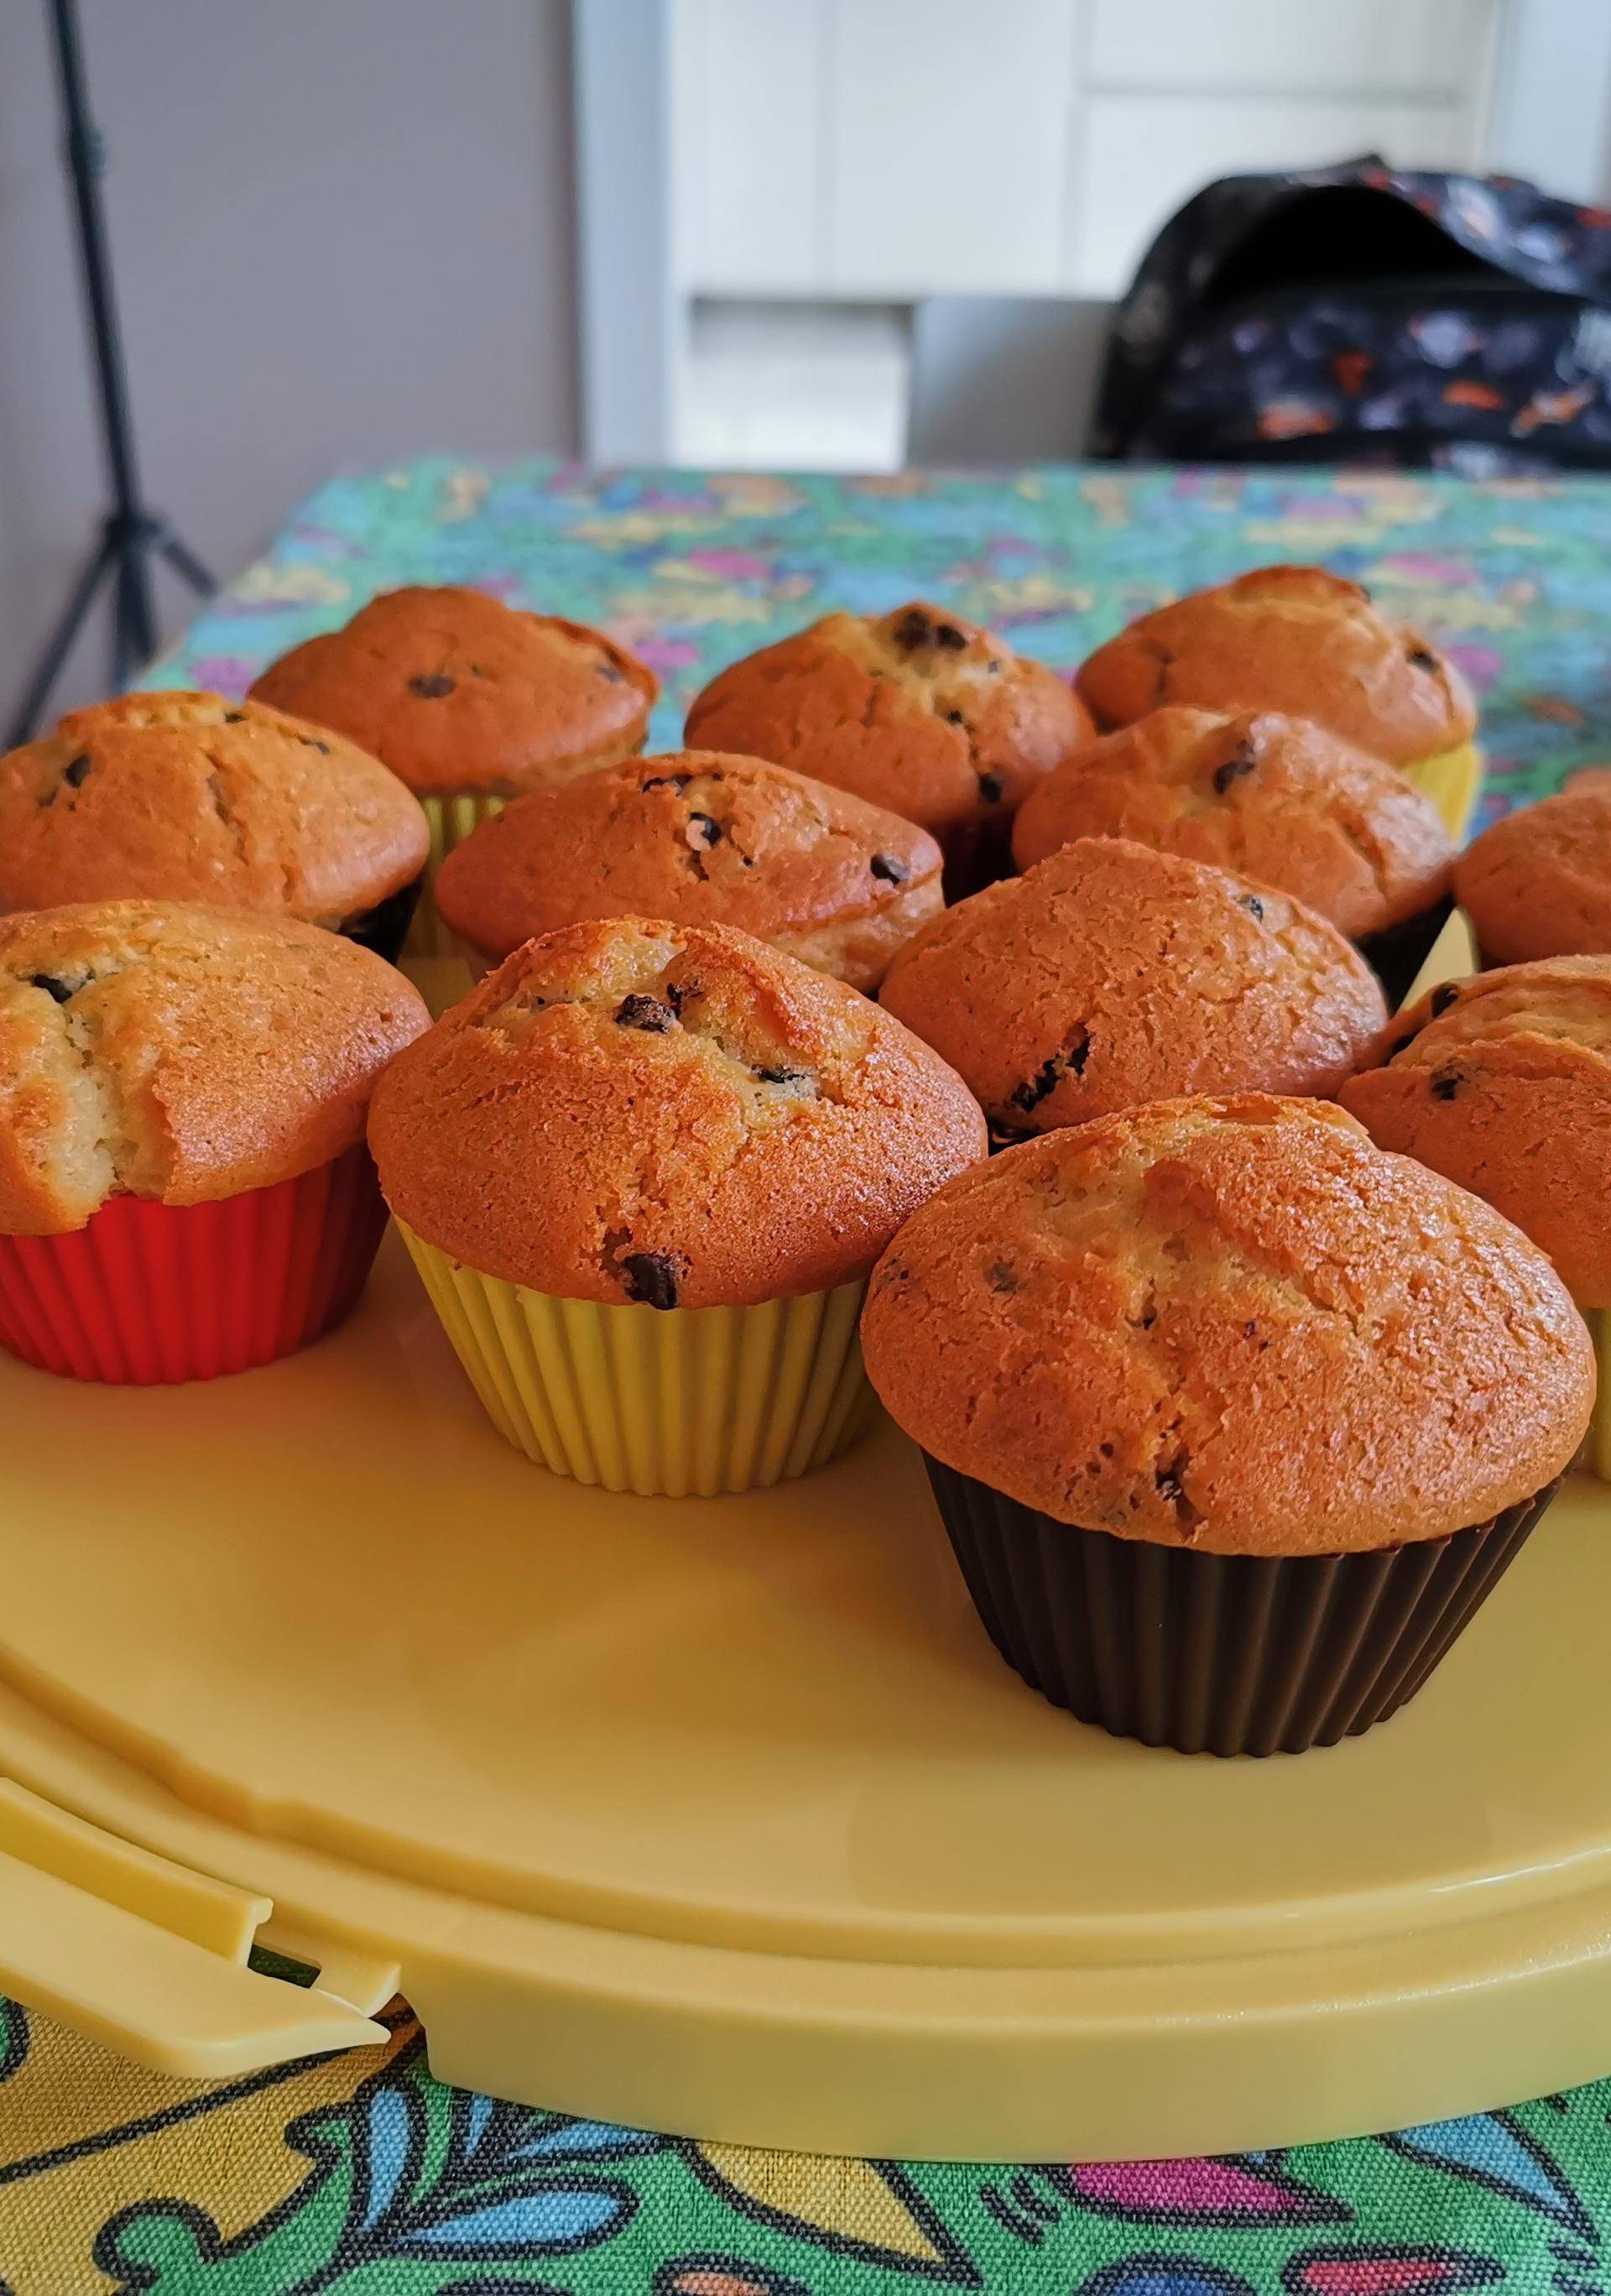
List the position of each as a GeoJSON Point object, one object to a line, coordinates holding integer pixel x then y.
{"type": "Point", "coordinates": [361, 2175]}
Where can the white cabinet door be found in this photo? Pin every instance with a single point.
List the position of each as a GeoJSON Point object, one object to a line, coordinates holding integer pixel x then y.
{"type": "Point", "coordinates": [947, 144]}
{"type": "Point", "coordinates": [1141, 156]}
{"type": "Point", "coordinates": [1414, 48]}
{"type": "Point", "coordinates": [747, 168]}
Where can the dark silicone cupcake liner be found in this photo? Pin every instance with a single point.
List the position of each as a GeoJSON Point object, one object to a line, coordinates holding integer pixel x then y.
{"type": "Point", "coordinates": [1397, 954]}
{"type": "Point", "coordinates": [1217, 1654]}
{"type": "Point", "coordinates": [385, 927]}
{"type": "Point", "coordinates": [977, 854]}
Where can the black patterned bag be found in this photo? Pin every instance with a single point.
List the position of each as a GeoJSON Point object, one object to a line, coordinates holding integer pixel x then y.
{"type": "Point", "coordinates": [1357, 314]}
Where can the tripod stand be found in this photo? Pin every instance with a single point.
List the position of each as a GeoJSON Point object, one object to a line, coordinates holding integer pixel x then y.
{"type": "Point", "coordinates": [130, 535]}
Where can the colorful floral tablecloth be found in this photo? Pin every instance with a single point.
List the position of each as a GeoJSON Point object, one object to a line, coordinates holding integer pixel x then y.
{"type": "Point", "coordinates": [361, 2175]}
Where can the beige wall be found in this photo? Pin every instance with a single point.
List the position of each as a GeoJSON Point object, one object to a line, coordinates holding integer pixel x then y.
{"type": "Point", "coordinates": [342, 231]}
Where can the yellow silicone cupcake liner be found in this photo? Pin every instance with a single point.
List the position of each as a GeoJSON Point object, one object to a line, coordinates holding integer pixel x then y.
{"type": "Point", "coordinates": [1453, 780]}
{"type": "Point", "coordinates": [673, 1402]}
{"type": "Point", "coordinates": [450, 820]}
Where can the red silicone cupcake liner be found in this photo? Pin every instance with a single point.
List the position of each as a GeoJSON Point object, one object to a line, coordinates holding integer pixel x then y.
{"type": "Point", "coordinates": [148, 1294]}
{"type": "Point", "coordinates": [1219, 1653]}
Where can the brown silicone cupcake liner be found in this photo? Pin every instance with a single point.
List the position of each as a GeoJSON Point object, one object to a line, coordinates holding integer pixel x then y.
{"type": "Point", "coordinates": [385, 928]}
{"type": "Point", "coordinates": [1396, 955]}
{"type": "Point", "coordinates": [1218, 1654]}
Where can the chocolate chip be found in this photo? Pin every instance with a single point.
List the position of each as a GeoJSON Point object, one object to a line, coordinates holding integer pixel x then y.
{"type": "Point", "coordinates": [1069, 1062]}
{"type": "Point", "coordinates": [645, 1013]}
{"type": "Point", "coordinates": [430, 687]}
{"type": "Point", "coordinates": [1444, 996]}
{"type": "Point", "coordinates": [235, 717]}
{"type": "Point", "coordinates": [611, 675]}
{"type": "Point", "coordinates": [308, 742]}
{"type": "Point", "coordinates": [991, 788]}
{"type": "Point", "coordinates": [783, 1075]}
{"type": "Point", "coordinates": [77, 773]}
{"type": "Point", "coordinates": [955, 717]}
{"type": "Point", "coordinates": [651, 1278]}
{"type": "Point", "coordinates": [913, 628]}
{"type": "Point", "coordinates": [1420, 657]}
{"type": "Point", "coordinates": [667, 781]}
{"type": "Point", "coordinates": [1445, 1083]}
{"type": "Point", "coordinates": [1241, 760]}
{"type": "Point", "coordinates": [52, 986]}
{"type": "Point", "coordinates": [1001, 1276]}
{"type": "Point", "coordinates": [1252, 904]}
{"type": "Point", "coordinates": [992, 670]}
{"type": "Point", "coordinates": [702, 830]}
{"type": "Point", "coordinates": [885, 865]}
{"type": "Point", "coordinates": [681, 993]}
{"type": "Point", "coordinates": [1169, 1484]}
{"type": "Point", "coordinates": [947, 635]}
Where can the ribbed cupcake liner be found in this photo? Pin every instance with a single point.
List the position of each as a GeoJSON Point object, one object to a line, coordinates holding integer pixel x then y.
{"type": "Point", "coordinates": [150, 1294]}
{"type": "Point", "coordinates": [450, 821]}
{"type": "Point", "coordinates": [1215, 1653]}
{"type": "Point", "coordinates": [1396, 954]}
{"type": "Point", "coordinates": [385, 927]}
{"type": "Point", "coordinates": [1453, 780]}
{"type": "Point", "coordinates": [658, 1401]}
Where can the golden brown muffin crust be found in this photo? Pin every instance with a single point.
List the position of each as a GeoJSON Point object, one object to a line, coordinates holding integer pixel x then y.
{"type": "Point", "coordinates": [1233, 1325]}
{"type": "Point", "coordinates": [917, 710]}
{"type": "Point", "coordinates": [631, 1110]}
{"type": "Point", "coordinates": [187, 797]}
{"type": "Point", "coordinates": [164, 1050]}
{"type": "Point", "coordinates": [1269, 797]}
{"type": "Point", "coordinates": [1538, 883]}
{"type": "Point", "coordinates": [1294, 639]}
{"type": "Point", "coordinates": [1503, 1083]}
{"type": "Point", "coordinates": [1112, 974]}
{"type": "Point", "coordinates": [458, 692]}
{"type": "Point", "coordinates": [699, 837]}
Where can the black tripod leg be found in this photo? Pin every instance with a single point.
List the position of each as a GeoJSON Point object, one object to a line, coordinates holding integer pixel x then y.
{"type": "Point", "coordinates": [48, 669]}
{"type": "Point", "coordinates": [184, 562]}
{"type": "Point", "coordinates": [134, 621]}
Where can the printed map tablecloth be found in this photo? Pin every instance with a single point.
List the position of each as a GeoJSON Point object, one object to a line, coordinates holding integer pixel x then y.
{"type": "Point", "coordinates": [362, 2175]}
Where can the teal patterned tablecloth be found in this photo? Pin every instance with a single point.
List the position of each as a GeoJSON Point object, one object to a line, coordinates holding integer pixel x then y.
{"type": "Point", "coordinates": [361, 2175]}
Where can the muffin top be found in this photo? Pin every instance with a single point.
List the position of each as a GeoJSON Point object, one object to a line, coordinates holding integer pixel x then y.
{"type": "Point", "coordinates": [164, 1050]}
{"type": "Point", "coordinates": [700, 838]}
{"type": "Point", "coordinates": [1111, 974]}
{"type": "Point", "coordinates": [630, 1110]}
{"type": "Point", "coordinates": [1273, 798]}
{"type": "Point", "coordinates": [1287, 637]}
{"type": "Point", "coordinates": [917, 710]}
{"type": "Point", "coordinates": [460, 694]}
{"type": "Point", "coordinates": [189, 797]}
{"type": "Point", "coordinates": [1234, 1326]}
{"type": "Point", "coordinates": [1538, 883]}
{"type": "Point", "coordinates": [1503, 1082]}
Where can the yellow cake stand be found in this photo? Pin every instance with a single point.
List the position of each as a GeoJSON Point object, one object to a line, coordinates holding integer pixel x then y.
{"type": "Point", "coordinates": [723, 1817]}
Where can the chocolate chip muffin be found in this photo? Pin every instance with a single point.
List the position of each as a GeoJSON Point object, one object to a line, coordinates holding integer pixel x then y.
{"type": "Point", "coordinates": [1275, 799]}
{"type": "Point", "coordinates": [469, 702]}
{"type": "Point", "coordinates": [1298, 639]}
{"type": "Point", "coordinates": [188, 797]}
{"type": "Point", "coordinates": [699, 837]}
{"type": "Point", "coordinates": [915, 710]}
{"type": "Point", "coordinates": [1232, 1417]}
{"type": "Point", "coordinates": [183, 1183]}
{"type": "Point", "coordinates": [1538, 883]}
{"type": "Point", "coordinates": [1111, 974]}
{"type": "Point", "coordinates": [1503, 1083]}
{"type": "Point", "coordinates": [644, 1170]}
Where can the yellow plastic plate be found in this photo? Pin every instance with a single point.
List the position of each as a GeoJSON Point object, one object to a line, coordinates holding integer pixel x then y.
{"type": "Point", "coordinates": [723, 1817]}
